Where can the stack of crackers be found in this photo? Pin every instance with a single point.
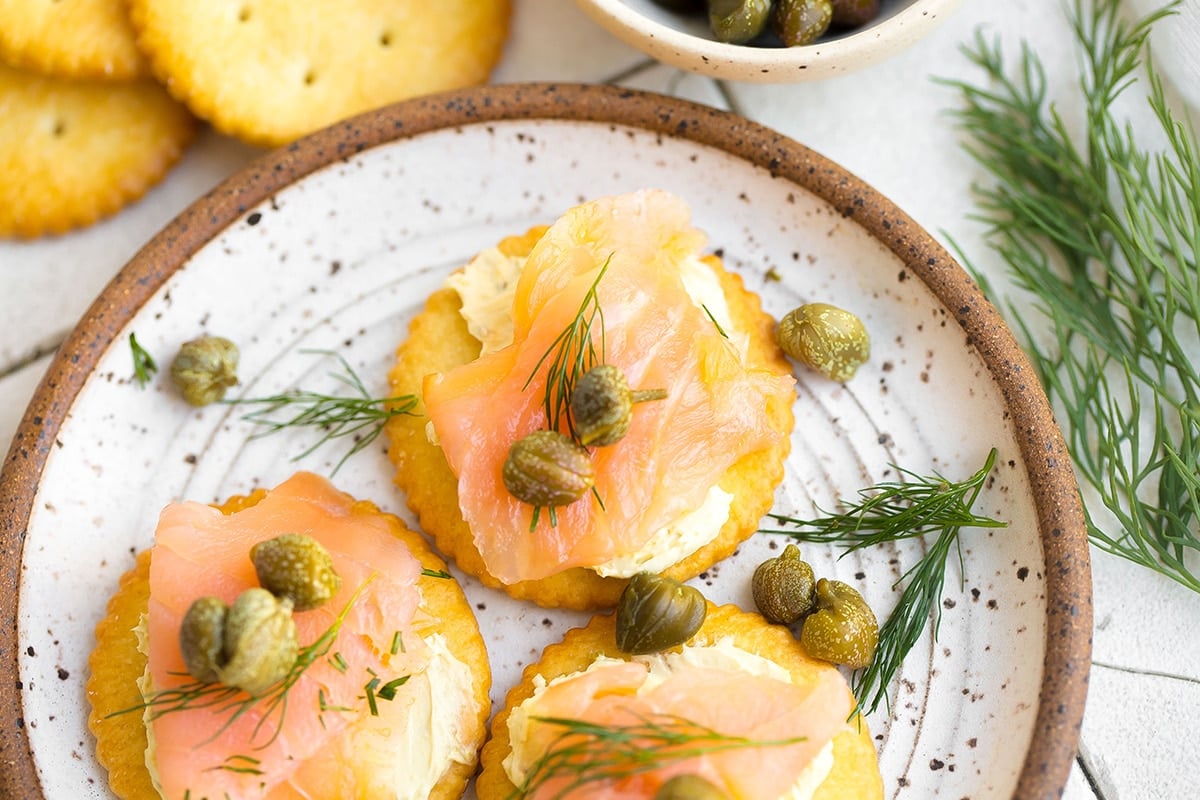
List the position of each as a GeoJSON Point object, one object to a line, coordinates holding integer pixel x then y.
{"type": "Point", "coordinates": [99, 98]}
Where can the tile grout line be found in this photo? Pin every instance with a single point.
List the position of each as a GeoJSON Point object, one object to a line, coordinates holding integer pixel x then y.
{"type": "Point", "coordinates": [629, 72]}
{"type": "Point", "coordinates": [1146, 672]}
{"type": "Point", "coordinates": [1092, 783]}
{"type": "Point", "coordinates": [729, 98]}
{"type": "Point", "coordinates": [40, 350]}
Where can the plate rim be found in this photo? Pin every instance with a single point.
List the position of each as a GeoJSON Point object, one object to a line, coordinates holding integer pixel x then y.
{"type": "Point", "coordinates": [1062, 528]}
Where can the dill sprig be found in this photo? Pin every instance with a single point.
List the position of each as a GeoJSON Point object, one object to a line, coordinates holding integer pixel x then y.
{"type": "Point", "coordinates": [339, 415]}
{"type": "Point", "coordinates": [572, 353]}
{"type": "Point", "coordinates": [587, 752]}
{"type": "Point", "coordinates": [235, 702]}
{"type": "Point", "coordinates": [1104, 236]}
{"type": "Point", "coordinates": [893, 511]}
{"type": "Point", "coordinates": [144, 367]}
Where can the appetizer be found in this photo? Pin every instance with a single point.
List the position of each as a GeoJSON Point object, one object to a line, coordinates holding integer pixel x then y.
{"type": "Point", "coordinates": [665, 463]}
{"type": "Point", "coordinates": [291, 643]}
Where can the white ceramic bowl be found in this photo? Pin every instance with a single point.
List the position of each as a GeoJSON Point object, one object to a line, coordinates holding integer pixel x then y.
{"type": "Point", "coordinates": [685, 41]}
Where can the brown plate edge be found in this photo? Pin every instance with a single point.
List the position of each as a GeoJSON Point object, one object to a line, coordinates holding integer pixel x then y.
{"type": "Point", "coordinates": [1064, 542]}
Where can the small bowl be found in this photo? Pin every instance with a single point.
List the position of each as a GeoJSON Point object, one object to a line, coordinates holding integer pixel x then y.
{"type": "Point", "coordinates": [685, 41]}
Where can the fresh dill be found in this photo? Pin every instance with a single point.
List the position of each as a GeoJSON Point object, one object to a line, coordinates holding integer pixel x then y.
{"type": "Point", "coordinates": [244, 765]}
{"type": "Point", "coordinates": [388, 690]}
{"type": "Point", "coordinates": [436, 573]}
{"type": "Point", "coordinates": [585, 752]}
{"type": "Point", "coordinates": [398, 643]}
{"type": "Point", "coordinates": [890, 512]}
{"type": "Point", "coordinates": [144, 367]}
{"type": "Point", "coordinates": [708, 313]}
{"type": "Point", "coordinates": [358, 415]}
{"type": "Point", "coordinates": [338, 662]}
{"type": "Point", "coordinates": [235, 702]}
{"type": "Point", "coordinates": [1103, 232]}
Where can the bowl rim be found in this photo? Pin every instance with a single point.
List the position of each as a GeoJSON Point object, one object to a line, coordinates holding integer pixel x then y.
{"type": "Point", "coordinates": [851, 51]}
{"type": "Point", "coordinates": [1061, 521]}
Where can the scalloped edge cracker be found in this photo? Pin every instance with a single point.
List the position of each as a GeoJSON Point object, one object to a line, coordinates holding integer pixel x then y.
{"type": "Point", "coordinates": [76, 39]}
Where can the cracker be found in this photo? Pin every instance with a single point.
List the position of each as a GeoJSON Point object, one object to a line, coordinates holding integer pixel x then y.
{"type": "Point", "coordinates": [438, 340]}
{"type": "Point", "coordinates": [269, 71]}
{"type": "Point", "coordinates": [72, 152]}
{"type": "Point", "coordinates": [75, 39]}
{"type": "Point", "coordinates": [855, 774]}
{"type": "Point", "coordinates": [116, 664]}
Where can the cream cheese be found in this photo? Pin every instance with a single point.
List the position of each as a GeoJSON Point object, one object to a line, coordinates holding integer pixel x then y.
{"type": "Point", "coordinates": [400, 764]}
{"type": "Point", "coordinates": [722, 655]}
{"type": "Point", "coordinates": [487, 286]}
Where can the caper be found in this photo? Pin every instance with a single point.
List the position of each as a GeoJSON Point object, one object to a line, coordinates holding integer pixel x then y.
{"type": "Point", "coordinates": [829, 339]}
{"type": "Point", "coordinates": [798, 22]}
{"type": "Point", "coordinates": [260, 644]}
{"type": "Point", "coordinates": [201, 638]}
{"type": "Point", "coordinates": [738, 21]}
{"type": "Point", "coordinates": [684, 6]}
{"type": "Point", "coordinates": [689, 787]}
{"type": "Point", "coordinates": [546, 468]}
{"type": "Point", "coordinates": [852, 13]}
{"type": "Point", "coordinates": [297, 567]}
{"type": "Point", "coordinates": [602, 405]}
{"type": "Point", "coordinates": [843, 628]}
{"type": "Point", "coordinates": [204, 368]}
{"type": "Point", "coordinates": [655, 612]}
{"type": "Point", "coordinates": [783, 587]}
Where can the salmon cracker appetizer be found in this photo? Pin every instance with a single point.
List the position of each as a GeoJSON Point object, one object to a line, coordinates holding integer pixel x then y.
{"type": "Point", "coordinates": [739, 710]}
{"type": "Point", "coordinates": [664, 463]}
{"type": "Point", "coordinates": [294, 643]}
{"type": "Point", "coordinates": [271, 71]}
{"type": "Point", "coordinates": [73, 39]}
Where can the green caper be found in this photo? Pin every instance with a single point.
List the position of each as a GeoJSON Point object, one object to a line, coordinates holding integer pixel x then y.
{"type": "Point", "coordinates": [798, 22]}
{"type": "Point", "coordinates": [783, 587]}
{"type": "Point", "coordinates": [546, 469]}
{"type": "Point", "coordinates": [201, 638]}
{"type": "Point", "coordinates": [843, 629]}
{"type": "Point", "coordinates": [204, 368]}
{"type": "Point", "coordinates": [852, 13]}
{"type": "Point", "coordinates": [655, 613]}
{"type": "Point", "coordinates": [260, 644]}
{"type": "Point", "coordinates": [602, 405]}
{"type": "Point", "coordinates": [738, 21]}
{"type": "Point", "coordinates": [297, 567]}
{"type": "Point", "coordinates": [829, 339]}
{"type": "Point", "coordinates": [689, 787]}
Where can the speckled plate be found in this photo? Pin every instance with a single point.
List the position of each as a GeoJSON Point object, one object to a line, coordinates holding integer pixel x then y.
{"type": "Point", "coordinates": [334, 242]}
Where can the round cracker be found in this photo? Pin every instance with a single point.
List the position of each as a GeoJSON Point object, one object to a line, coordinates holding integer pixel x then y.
{"type": "Point", "coordinates": [269, 71]}
{"type": "Point", "coordinates": [855, 773]}
{"type": "Point", "coordinates": [72, 152]}
{"type": "Point", "coordinates": [116, 664]}
{"type": "Point", "coordinates": [438, 340]}
{"type": "Point", "coordinates": [71, 39]}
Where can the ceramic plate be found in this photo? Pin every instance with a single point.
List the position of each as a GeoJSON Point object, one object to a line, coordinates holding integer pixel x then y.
{"type": "Point", "coordinates": [332, 244]}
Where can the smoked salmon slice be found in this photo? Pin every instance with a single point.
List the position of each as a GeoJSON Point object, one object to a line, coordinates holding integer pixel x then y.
{"type": "Point", "coordinates": [676, 449]}
{"type": "Point", "coordinates": [240, 748]}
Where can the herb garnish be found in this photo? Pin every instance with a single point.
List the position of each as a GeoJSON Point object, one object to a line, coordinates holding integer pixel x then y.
{"type": "Point", "coordinates": [339, 416]}
{"type": "Point", "coordinates": [890, 512]}
{"type": "Point", "coordinates": [435, 573]}
{"type": "Point", "coordinates": [587, 752]}
{"type": "Point", "coordinates": [144, 367]}
{"type": "Point", "coordinates": [228, 699]}
{"type": "Point", "coordinates": [1104, 235]}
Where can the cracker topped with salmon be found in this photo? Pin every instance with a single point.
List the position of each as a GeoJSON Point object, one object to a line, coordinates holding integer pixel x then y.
{"type": "Point", "coordinates": [365, 676]}
{"type": "Point", "coordinates": [494, 357]}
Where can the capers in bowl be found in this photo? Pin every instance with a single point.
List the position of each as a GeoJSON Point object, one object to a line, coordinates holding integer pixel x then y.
{"type": "Point", "coordinates": [843, 629]}
{"type": "Point", "coordinates": [297, 567]}
{"type": "Point", "coordinates": [798, 22]}
{"type": "Point", "coordinates": [773, 22]}
{"type": "Point", "coordinates": [655, 613]}
{"type": "Point", "coordinates": [204, 369]}
{"type": "Point", "coordinates": [738, 21]}
{"type": "Point", "coordinates": [783, 587]}
{"type": "Point", "coordinates": [829, 339]}
{"type": "Point", "coordinates": [602, 405]}
{"type": "Point", "coordinates": [547, 469]}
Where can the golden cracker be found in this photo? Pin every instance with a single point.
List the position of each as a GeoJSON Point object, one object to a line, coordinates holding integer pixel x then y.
{"type": "Point", "coordinates": [71, 39]}
{"type": "Point", "coordinates": [269, 71]}
{"type": "Point", "coordinates": [438, 340]}
{"type": "Point", "coordinates": [116, 664]}
{"type": "Point", "coordinates": [855, 773]}
{"type": "Point", "coordinates": [72, 152]}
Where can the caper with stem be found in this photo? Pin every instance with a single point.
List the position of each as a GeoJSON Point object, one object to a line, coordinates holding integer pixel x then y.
{"type": "Point", "coordinates": [783, 587]}
{"type": "Point", "coordinates": [655, 612]}
{"type": "Point", "coordinates": [547, 469]}
{"type": "Point", "coordinates": [738, 21]}
{"type": "Point", "coordinates": [799, 22]}
{"type": "Point", "coordinates": [298, 567]}
{"type": "Point", "coordinates": [689, 787]}
{"type": "Point", "coordinates": [852, 13]}
{"type": "Point", "coordinates": [602, 405]}
{"type": "Point", "coordinates": [204, 369]}
{"type": "Point", "coordinates": [259, 643]}
{"type": "Point", "coordinates": [843, 629]}
{"type": "Point", "coordinates": [829, 339]}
